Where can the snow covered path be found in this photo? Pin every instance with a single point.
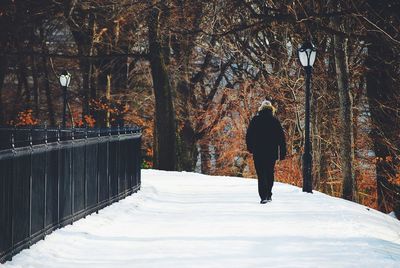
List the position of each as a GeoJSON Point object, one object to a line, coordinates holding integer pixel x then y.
{"type": "Point", "coordinates": [191, 220]}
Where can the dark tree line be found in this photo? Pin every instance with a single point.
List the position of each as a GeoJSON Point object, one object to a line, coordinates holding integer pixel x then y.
{"type": "Point", "coordinates": [192, 72]}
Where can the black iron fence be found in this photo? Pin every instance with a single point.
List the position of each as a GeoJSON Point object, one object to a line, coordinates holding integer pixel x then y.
{"type": "Point", "coordinates": [52, 177]}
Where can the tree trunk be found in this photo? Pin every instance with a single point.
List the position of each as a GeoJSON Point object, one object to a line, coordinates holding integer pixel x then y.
{"type": "Point", "coordinates": [23, 76]}
{"type": "Point", "coordinates": [186, 142]}
{"type": "Point", "coordinates": [328, 134]}
{"type": "Point", "coordinates": [155, 146]}
{"type": "Point", "coordinates": [35, 76]}
{"type": "Point", "coordinates": [84, 40]}
{"type": "Point", "coordinates": [383, 99]}
{"type": "Point", "coordinates": [205, 157]}
{"type": "Point", "coordinates": [316, 138]}
{"type": "Point", "coordinates": [3, 67]}
{"type": "Point", "coordinates": [49, 100]}
{"type": "Point", "coordinates": [165, 114]}
{"type": "Point", "coordinates": [108, 98]}
{"type": "Point", "coordinates": [345, 113]}
{"type": "Point", "coordinates": [89, 92]}
{"type": "Point", "coordinates": [325, 133]}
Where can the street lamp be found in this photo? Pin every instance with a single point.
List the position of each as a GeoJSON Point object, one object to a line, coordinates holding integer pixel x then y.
{"type": "Point", "coordinates": [65, 78]}
{"type": "Point", "coordinates": [307, 53]}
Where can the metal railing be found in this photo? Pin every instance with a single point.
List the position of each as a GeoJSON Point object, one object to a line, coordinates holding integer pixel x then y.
{"type": "Point", "coordinates": [50, 178]}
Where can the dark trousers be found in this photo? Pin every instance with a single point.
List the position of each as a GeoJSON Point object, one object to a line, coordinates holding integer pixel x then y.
{"type": "Point", "coordinates": [265, 172]}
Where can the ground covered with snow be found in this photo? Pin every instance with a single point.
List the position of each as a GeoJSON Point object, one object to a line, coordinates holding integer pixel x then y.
{"type": "Point", "coordinates": [192, 220]}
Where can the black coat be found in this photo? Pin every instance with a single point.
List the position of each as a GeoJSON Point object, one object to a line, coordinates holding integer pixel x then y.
{"type": "Point", "coordinates": [265, 137]}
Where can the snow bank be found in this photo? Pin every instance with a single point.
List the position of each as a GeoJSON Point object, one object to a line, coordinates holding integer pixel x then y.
{"type": "Point", "coordinates": [192, 220]}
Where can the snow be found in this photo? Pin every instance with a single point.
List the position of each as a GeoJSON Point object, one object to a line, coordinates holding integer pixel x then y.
{"type": "Point", "coordinates": [183, 219]}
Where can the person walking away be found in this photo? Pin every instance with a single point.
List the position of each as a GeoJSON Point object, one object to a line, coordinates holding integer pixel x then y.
{"type": "Point", "coordinates": [265, 139]}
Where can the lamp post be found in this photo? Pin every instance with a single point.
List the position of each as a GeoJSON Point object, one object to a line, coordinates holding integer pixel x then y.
{"type": "Point", "coordinates": [64, 78]}
{"type": "Point", "coordinates": [307, 53]}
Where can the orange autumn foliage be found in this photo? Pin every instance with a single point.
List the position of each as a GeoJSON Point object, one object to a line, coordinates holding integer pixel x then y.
{"type": "Point", "coordinates": [25, 118]}
{"type": "Point", "coordinates": [87, 121]}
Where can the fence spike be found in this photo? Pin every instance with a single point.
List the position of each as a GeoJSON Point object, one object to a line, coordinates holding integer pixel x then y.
{"type": "Point", "coordinates": [30, 138]}
{"type": "Point", "coordinates": [45, 133]}
{"type": "Point", "coordinates": [58, 133]}
{"type": "Point", "coordinates": [12, 141]}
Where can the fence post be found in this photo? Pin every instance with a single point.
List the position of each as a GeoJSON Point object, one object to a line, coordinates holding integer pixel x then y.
{"type": "Point", "coordinates": [139, 155]}
{"type": "Point", "coordinates": [72, 180]}
{"type": "Point", "coordinates": [136, 163]}
{"type": "Point", "coordinates": [97, 172]}
{"type": "Point", "coordinates": [84, 175]}
{"type": "Point", "coordinates": [118, 160]}
{"type": "Point", "coordinates": [108, 165]}
{"type": "Point", "coordinates": [131, 149]}
{"type": "Point", "coordinates": [45, 180]}
{"type": "Point", "coordinates": [30, 139]}
{"type": "Point", "coordinates": [58, 173]}
{"type": "Point", "coordinates": [12, 189]}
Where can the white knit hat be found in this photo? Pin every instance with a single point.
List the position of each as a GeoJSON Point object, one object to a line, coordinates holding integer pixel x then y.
{"type": "Point", "coordinates": [266, 104]}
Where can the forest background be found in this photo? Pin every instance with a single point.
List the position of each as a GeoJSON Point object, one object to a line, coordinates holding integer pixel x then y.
{"type": "Point", "coordinates": [192, 73]}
